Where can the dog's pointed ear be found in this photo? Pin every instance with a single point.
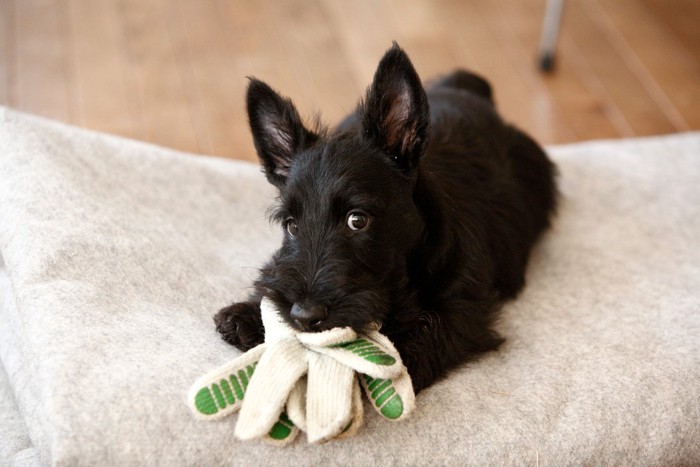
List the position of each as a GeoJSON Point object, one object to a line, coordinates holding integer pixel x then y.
{"type": "Point", "coordinates": [395, 115]}
{"type": "Point", "coordinates": [278, 132]}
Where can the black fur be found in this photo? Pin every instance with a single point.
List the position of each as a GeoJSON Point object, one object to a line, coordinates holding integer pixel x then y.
{"type": "Point", "coordinates": [455, 200]}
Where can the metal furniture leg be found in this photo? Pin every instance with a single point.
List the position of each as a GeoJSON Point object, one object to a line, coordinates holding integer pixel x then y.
{"type": "Point", "coordinates": [550, 34]}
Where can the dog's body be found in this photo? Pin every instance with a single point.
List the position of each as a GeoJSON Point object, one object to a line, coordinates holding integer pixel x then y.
{"type": "Point", "coordinates": [418, 212]}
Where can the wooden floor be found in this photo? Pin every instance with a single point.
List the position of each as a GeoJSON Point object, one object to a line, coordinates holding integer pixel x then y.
{"type": "Point", "coordinates": [173, 72]}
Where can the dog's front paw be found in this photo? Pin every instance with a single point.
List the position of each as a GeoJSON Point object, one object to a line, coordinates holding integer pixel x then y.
{"type": "Point", "coordinates": [241, 325]}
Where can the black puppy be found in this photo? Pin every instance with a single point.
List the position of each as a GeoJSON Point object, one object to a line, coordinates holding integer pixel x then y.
{"type": "Point", "coordinates": [418, 212]}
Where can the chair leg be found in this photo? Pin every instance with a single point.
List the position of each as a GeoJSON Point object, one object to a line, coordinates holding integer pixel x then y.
{"type": "Point", "coordinates": [550, 34]}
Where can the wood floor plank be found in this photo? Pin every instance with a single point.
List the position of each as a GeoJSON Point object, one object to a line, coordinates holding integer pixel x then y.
{"type": "Point", "coordinates": [43, 83]}
{"type": "Point", "coordinates": [246, 30]}
{"type": "Point", "coordinates": [419, 30]}
{"type": "Point", "coordinates": [265, 57]}
{"type": "Point", "coordinates": [669, 73]}
{"type": "Point", "coordinates": [162, 97]}
{"type": "Point", "coordinates": [554, 124]}
{"type": "Point", "coordinates": [477, 50]}
{"type": "Point", "coordinates": [362, 36]}
{"type": "Point", "coordinates": [237, 23]}
{"type": "Point", "coordinates": [589, 112]}
{"type": "Point", "coordinates": [243, 38]}
{"type": "Point", "coordinates": [606, 105]}
{"type": "Point", "coordinates": [519, 95]}
{"type": "Point", "coordinates": [572, 50]}
{"type": "Point", "coordinates": [205, 71]}
{"type": "Point", "coordinates": [7, 31]}
{"type": "Point", "coordinates": [679, 18]}
{"type": "Point", "coordinates": [640, 110]}
{"type": "Point", "coordinates": [323, 77]}
{"type": "Point", "coordinates": [105, 96]}
{"type": "Point", "coordinates": [258, 51]}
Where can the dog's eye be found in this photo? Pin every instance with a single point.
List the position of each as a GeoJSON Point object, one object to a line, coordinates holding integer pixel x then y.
{"type": "Point", "coordinates": [357, 221]}
{"type": "Point", "coordinates": [291, 227]}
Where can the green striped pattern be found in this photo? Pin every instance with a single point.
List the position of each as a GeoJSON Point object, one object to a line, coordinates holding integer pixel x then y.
{"type": "Point", "coordinates": [367, 350]}
{"type": "Point", "coordinates": [282, 428]}
{"type": "Point", "coordinates": [217, 396]}
{"type": "Point", "coordinates": [384, 397]}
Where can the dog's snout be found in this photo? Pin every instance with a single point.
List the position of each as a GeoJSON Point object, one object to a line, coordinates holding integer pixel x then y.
{"type": "Point", "coordinates": [309, 317]}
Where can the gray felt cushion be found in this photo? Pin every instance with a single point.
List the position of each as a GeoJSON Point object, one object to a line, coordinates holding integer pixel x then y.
{"type": "Point", "coordinates": [118, 254]}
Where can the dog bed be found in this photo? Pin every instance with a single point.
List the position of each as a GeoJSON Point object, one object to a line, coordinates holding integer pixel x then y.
{"type": "Point", "coordinates": [117, 253]}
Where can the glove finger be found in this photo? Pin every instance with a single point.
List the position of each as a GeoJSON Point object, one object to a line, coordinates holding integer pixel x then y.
{"type": "Point", "coordinates": [328, 398]}
{"type": "Point", "coordinates": [282, 432]}
{"type": "Point", "coordinates": [357, 413]}
{"type": "Point", "coordinates": [393, 399]}
{"type": "Point", "coordinates": [367, 354]}
{"type": "Point", "coordinates": [296, 404]}
{"type": "Point", "coordinates": [220, 392]}
{"type": "Point", "coordinates": [278, 370]}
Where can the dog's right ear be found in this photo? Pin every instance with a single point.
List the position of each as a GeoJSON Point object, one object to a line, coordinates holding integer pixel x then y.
{"type": "Point", "coordinates": [278, 132]}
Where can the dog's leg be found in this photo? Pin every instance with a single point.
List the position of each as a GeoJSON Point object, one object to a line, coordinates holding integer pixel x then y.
{"type": "Point", "coordinates": [435, 342]}
{"type": "Point", "coordinates": [241, 325]}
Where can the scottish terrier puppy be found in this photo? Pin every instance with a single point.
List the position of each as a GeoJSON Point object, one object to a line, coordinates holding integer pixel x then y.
{"type": "Point", "coordinates": [418, 212]}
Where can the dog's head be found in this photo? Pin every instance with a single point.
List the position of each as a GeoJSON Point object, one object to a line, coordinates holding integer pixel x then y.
{"type": "Point", "coordinates": [346, 199]}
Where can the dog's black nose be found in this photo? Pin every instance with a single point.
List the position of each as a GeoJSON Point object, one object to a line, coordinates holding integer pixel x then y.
{"type": "Point", "coordinates": [309, 317]}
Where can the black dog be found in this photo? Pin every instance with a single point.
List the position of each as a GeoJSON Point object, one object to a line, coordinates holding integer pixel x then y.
{"type": "Point", "coordinates": [418, 212]}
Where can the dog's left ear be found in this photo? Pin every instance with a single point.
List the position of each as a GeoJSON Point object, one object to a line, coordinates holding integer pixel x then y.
{"type": "Point", "coordinates": [395, 115]}
{"type": "Point", "coordinates": [278, 132]}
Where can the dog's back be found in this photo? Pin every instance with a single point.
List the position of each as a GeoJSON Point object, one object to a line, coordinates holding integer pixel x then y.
{"type": "Point", "coordinates": [494, 179]}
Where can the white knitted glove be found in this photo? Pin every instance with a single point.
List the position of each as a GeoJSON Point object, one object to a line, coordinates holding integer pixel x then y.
{"type": "Point", "coordinates": [313, 375]}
